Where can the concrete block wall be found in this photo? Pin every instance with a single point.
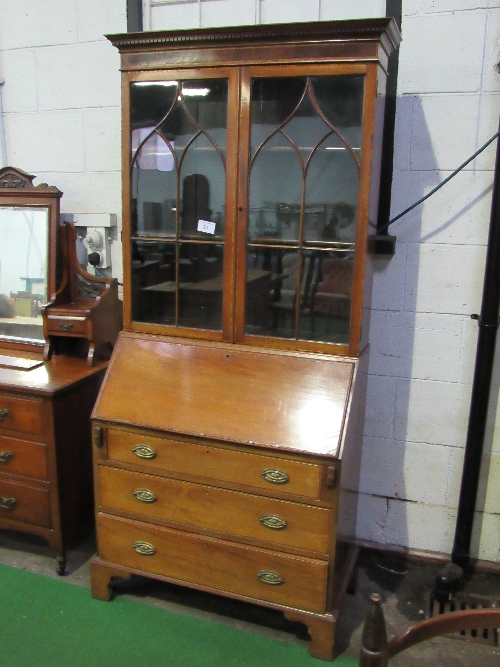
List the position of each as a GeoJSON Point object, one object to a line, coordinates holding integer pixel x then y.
{"type": "Point", "coordinates": [62, 117]}
{"type": "Point", "coordinates": [61, 100]}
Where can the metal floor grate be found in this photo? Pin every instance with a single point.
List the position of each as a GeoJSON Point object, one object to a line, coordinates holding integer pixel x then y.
{"type": "Point", "coordinates": [464, 602]}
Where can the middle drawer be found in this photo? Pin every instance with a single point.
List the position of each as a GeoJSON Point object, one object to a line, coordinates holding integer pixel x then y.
{"type": "Point", "coordinates": [280, 522]}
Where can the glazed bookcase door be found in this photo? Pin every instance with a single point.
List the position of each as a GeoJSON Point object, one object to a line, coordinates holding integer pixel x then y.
{"type": "Point", "coordinates": [304, 189]}
{"type": "Point", "coordinates": [180, 184]}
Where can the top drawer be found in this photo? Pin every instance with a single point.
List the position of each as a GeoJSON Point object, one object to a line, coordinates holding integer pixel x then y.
{"type": "Point", "coordinates": [225, 465]}
{"type": "Point", "coordinates": [21, 415]}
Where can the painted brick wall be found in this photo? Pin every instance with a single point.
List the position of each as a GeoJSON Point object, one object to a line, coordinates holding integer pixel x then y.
{"type": "Point", "coordinates": [61, 101]}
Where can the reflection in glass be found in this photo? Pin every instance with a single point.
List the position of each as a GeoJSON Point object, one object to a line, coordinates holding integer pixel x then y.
{"type": "Point", "coordinates": [304, 295]}
{"type": "Point", "coordinates": [23, 271]}
{"type": "Point", "coordinates": [303, 194]}
{"type": "Point", "coordinates": [178, 193]}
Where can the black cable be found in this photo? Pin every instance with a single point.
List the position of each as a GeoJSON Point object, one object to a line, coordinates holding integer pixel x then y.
{"type": "Point", "coordinates": [385, 227]}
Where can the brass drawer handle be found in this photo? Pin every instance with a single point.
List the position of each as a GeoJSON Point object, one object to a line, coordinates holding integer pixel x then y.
{"type": "Point", "coordinates": [4, 413]}
{"type": "Point", "coordinates": [144, 451]}
{"type": "Point", "coordinates": [5, 456]}
{"type": "Point", "coordinates": [273, 521]}
{"type": "Point", "coordinates": [145, 495]}
{"type": "Point", "coordinates": [275, 476]}
{"type": "Point", "coordinates": [7, 503]}
{"type": "Point", "coordinates": [271, 578]}
{"type": "Point", "coordinates": [144, 548]}
{"type": "Point", "coordinates": [66, 326]}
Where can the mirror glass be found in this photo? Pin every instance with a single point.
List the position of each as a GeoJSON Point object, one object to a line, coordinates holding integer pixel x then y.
{"type": "Point", "coordinates": [23, 270]}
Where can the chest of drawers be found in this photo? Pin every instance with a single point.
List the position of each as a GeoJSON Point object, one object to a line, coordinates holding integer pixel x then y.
{"type": "Point", "coordinates": [184, 496]}
{"type": "Point", "coordinates": [45, 451]}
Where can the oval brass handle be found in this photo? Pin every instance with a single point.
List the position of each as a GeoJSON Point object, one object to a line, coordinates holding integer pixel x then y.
{"type": "Point", "coordinates": [5, 456]}
{"type": "Point", "coordinates": [7, 503]}
{"type": "Point", "coordinates": [144, 451]}
{"type": "Point", "coordinates": [145, 495]}
{"type": "Point", "coordinates": [275, 476]}
{"type": "Point", "coordinates": [4, 413]}
{"type": "Point", "coordinates": [66, 326]}
{"type": "Point", "coordinates": [271, 578]}
{"type": "Point", "coordinates": [273, 521]}
{"type": "Point", "coordinates": [144, 548]}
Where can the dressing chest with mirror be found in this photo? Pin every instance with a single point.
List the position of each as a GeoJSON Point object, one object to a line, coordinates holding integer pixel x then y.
{"type": "Point", "coordinates": [50, 369]}
{"type": "Point", "coordinates": [230, 415]}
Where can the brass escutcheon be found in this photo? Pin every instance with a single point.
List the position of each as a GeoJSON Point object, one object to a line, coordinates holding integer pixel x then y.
{"type": "Point", "coordinates": [7, 503]}
{"type": "Point", "coordinates": [271, 578]}
{"type": "Point", "coordinates": [5, 456]}
{"type": "Point", "coordinates": [273, 521]}
{"type": "Point", "coordinates": [145, 495]}
{"type": "Point", "coordinates": [275, 476]}
{"type": "Point", "coordinates": [144, 451]}
{"type": "Point", "coordinates": [144, 548]}
{"type": "Point", "coordinates": [3, 413]}
{"type": "Point", "coordinates": [66, 326]}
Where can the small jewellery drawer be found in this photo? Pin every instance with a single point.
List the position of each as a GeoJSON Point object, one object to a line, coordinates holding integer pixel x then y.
{"type": "Point", "coordinates": [23, 415]}
{"type": "Point", "coordinates": [225, 465]}
{"type": "Point", "coordinates": [280, 522]}
{"type": "Point", "coordinates": [23, 502]}
{"type": "Point", "coordinates": [66, 324]}
{"type": "Point", "coordinates": [21, 457]}
{"type": "Point", "coordinates": [256, 573]}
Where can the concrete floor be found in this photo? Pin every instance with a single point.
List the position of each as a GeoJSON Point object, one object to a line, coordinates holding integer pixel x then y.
{"type": "Point", "coordinates": [404, 585]}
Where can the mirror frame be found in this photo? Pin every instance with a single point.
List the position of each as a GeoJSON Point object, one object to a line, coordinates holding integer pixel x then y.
{"type": "Point", "coordinates": [17, 189]}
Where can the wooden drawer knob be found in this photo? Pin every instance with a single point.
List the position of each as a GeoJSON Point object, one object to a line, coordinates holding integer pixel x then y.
{"type": "Point", "coordinates": [275, 476]}
{"type": "Point", "coordinates": [145, 495]}
{"type": "Point", "coordinates": [270, 578]}
{"type": "Point", "coordinates": [7, 503]}
{"type": "Point", "coordinates": [144, 548]}
{"type": "Point", "coordinates": [273, 521]}
{"type": "Point", "coordinates": [144, 451]}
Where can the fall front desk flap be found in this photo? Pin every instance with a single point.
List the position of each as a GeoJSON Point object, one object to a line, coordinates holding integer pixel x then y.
{"type": "Point", "coordinates": [253, 396]}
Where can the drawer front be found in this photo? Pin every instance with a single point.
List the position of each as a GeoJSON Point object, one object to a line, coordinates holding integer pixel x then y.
{"type": "Point", "coordinates": [23, 502]}
{"type": "Point", "coordinates": [22, 415]}
{"type": "Point", "coordinates": [221, 565]}
{"type": "Point", "coordinates": [66, 324]}
{"type": "Point", "coordinates": [21, 457]}
{"type": "Point", "coordinates": [225, 465]}
{"type": "Point", "coordinates": [277, 521]}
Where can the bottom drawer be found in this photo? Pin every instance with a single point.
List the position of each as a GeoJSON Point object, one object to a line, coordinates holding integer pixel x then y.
{"type": "Point", "coordinates": [261, 574]}
{"type": "Point", "coordinates": [25, 503]}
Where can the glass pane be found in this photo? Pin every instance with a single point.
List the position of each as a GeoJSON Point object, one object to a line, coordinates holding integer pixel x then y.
{"type": "Point", "coordinates": [200, 285]}
{"type": "Point", "coordinates": [303, 193]}
{"type": "Point", "coordinates": [153, 282]}
{"type": "Point", "coordinates": [178, 131]}
{"type": "Point", "coordinates": [23, 271]}
{"type": "Point", "coordinates": [178, 158]}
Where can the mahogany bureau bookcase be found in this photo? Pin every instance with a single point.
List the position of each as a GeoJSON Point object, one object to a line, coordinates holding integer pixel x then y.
{"type": "Point", "coordinates": [230, 413]}
{"type": "Point", "coordinates": [52, 314]}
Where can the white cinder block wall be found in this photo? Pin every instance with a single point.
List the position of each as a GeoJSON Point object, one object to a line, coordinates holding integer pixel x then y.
{"type": "Point", "coordinates": [61, 100]}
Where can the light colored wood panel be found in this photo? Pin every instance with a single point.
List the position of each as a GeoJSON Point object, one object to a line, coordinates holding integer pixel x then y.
{"type": "Point", "coordinates": [263, 398]}
{"type": "Point", "coordinates": [215, 563]}
{"type": "Point", "coordinates": [200, 506]}
{"type": "Point", "coordinates": [225, 465]}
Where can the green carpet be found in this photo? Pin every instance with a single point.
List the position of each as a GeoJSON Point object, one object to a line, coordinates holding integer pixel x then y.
{"type": "Point", "coordinates": [49, 623]}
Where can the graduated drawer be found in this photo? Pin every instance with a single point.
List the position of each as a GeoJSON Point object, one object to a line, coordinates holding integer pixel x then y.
{"type": "Point", "coordinates": [225, 465]}
{"type": "Point", "coordinates": [66, 324]}
{"type": "Point", "coordinates": [197, 505]}
{"type": "Point", "coordinates": [23, 415]}
{"type": "Point", "coordinates": [24, 503]}
{"type": "Point", "coordinates": [22, 457]}
{"type": "Point", "coordinates": [217, 564]}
